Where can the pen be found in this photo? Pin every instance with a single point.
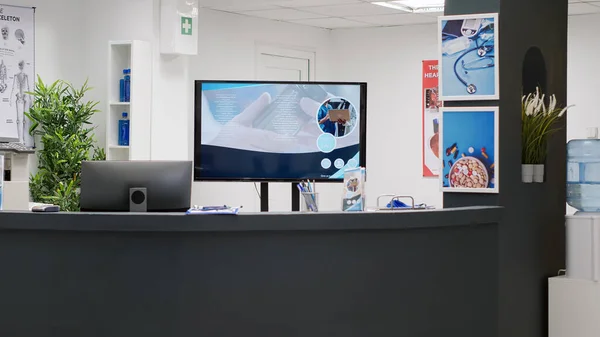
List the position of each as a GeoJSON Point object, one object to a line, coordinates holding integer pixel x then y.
{"type": "Point", "coordinates": [303, 193]}
{"type": "Point", "coordinates": [214, 208]}
{"type": "Point", "coordinates": [313, 196]}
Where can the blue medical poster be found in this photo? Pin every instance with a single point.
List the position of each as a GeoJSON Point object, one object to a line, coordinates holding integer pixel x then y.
{"type": "Point", "coordinates": [468, 53]}
{"type": "Point", "coordinates": [469, 150]}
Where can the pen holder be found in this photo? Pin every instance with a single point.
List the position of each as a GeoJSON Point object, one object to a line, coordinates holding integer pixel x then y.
{"type": "Point", "coordinates": [309, 202]}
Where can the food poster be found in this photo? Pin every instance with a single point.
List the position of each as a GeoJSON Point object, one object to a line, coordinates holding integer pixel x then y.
{"type": "Point", "coordinates": [431, 119]}
{"type": "Point", "coordinates": [469, 152]}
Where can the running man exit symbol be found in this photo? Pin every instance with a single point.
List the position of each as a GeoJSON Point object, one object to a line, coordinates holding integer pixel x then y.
{"type": "Point", "coordinates": [186, 26]}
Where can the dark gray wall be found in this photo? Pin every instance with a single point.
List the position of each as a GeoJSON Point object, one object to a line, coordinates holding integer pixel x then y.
{"type": "Point", "coordinates": [532, 231]}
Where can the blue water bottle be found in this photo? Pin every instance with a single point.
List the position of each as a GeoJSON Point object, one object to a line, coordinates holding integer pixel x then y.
{"type": "Point", "coordinates": [122, 90]}
{"type": "Point", "coordinates": [122, 96]}
{"type": "Point", "coordinates": [127, 73]}
{"type": "Point", "coordinates": [124, 130]}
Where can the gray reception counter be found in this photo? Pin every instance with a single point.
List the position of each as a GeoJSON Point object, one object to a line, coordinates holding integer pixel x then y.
{"type": "Point", "coordinates": [413, 273]}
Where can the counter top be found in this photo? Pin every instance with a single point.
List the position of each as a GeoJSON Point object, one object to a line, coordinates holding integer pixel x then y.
{"type": "Point", "coordinates": [335, 221]}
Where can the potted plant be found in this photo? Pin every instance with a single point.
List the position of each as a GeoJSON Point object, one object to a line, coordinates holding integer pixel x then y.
{"type": "Point", "coordinates": [538, 115]}
{"type": "Point", "coordinates": [61, 119]}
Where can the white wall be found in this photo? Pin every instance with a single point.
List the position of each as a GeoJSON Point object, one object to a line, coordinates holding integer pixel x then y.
{"type": "Point", "coordinates": [172, 101]}
{"type": "Point", "coordinates": [57, 57]}
{"type": "Point", "coordinates": [70, 50]}
{"type": "Point", "coordinates": [583, 74]}
{"type": "Point", "coordinates": [131, 19]}
{"type": "Point", "coordinates": [389, 60]}
{"type": "Point", "coordinates": [72, 44]}
{"type": "Point", "coordinates": [139, 20]}
{"type": "Point", "coordinates": [583, 77]}
{"type": "Point", "coordinates": [227, 52]}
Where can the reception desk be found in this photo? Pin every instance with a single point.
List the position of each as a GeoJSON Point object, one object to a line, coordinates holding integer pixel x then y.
{"type": "Point", "coordinates": [413, 273]}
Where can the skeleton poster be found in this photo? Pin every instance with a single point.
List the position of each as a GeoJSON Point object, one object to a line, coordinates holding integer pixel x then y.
{"type": "Point", "coordinates": [17, 72]}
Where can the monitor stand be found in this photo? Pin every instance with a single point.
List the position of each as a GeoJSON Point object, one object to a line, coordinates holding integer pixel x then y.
{"type": "Point", "coordinates": [264, 197]}
{"type": "Point", "coordinates": [295, 198]}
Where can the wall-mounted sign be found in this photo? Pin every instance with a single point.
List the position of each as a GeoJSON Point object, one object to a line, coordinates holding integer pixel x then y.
{"type": "Point", "coordinates": [17, 72]}
{"type": "Point", "coordinates": [431, 119]}
{"type": "Point", "coordinates": [179, 27]}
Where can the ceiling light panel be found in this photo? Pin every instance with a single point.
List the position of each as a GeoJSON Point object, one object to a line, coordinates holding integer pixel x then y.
{"type": "Point", "coordinates": [414, 6]}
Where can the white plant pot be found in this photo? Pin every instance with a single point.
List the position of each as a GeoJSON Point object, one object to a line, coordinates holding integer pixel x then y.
{"type": "Point", "coordinates": [538, 173]}
{"type": "Point", "coordinates": [527, 173]}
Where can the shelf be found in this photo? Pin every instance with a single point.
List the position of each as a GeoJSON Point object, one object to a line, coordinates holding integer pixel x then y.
{"type": "Point", "coordinates": [118, 147]}
{"type": "Point", "coordinates": [121, 43]}
{"type": "Point", "coordinates": [137, 56]}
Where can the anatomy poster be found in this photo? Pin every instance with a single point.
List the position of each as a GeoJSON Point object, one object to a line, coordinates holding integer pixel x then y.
{"type": "Point", "coordinates": [468, 54]}
{"type": "Point", "coordinates": [431, 119]}
{"type": "Point", "coordinates": [17, 72]}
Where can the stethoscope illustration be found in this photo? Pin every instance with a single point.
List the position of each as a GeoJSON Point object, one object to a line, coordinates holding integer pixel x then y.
{"type": "Point", "coordinates": [484, 60]}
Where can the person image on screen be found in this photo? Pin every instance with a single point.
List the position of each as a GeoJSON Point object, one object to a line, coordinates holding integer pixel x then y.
{"type": "Point", "coordinates": [324, 122]}
{"type": "Point", "coordinates": [338, 128]}
{"type": "Point", "coordinates": [343, 126]}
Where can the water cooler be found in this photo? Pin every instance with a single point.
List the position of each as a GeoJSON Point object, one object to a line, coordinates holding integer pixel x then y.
{"type": "Point", "coordinates": [574, 299]}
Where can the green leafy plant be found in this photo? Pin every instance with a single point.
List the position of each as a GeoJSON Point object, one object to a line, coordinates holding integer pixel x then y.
{"type": "Point", "coordinates": [539, 117]}
{"type": "Point", "coordinates": [61, 118]}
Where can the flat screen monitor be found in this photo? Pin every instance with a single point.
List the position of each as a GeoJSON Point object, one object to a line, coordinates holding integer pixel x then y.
{"type": "Point", "coordinates": [105, 185]}
{"type": "Point", "coordinates": [278, 131]}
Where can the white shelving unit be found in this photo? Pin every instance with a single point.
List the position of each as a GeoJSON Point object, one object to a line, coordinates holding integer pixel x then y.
{"type": "Point", "coordinates": [137, 56]}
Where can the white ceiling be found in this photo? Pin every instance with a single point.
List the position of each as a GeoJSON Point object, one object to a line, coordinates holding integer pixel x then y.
{"type": "Point", "coordinates": [338, 14]}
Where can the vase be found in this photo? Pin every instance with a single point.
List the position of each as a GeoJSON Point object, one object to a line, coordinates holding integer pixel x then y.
{"type": "Point", "coordinates": [527, 173]}
{"type": "Point", "coordinates": [538, 173]}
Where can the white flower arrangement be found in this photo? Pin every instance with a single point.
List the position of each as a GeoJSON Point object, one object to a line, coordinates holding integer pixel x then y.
{"type": "Point", "coordinates": [538, 123]}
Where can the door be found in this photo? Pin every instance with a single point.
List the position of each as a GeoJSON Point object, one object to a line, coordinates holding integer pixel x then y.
{"type": "Point", "coordinates": [282, 68]}
{"type": "Point", "coordinates": [277, 64]}
{"type": "Point", "coordinates": [282, 64]}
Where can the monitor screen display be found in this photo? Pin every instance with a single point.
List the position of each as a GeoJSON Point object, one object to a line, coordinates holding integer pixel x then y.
{"type": "Point", "coordinates": [278, 131]}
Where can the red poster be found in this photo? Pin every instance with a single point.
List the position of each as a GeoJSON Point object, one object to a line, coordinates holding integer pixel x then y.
{"type": "Point", "coordinates": [431, 119]}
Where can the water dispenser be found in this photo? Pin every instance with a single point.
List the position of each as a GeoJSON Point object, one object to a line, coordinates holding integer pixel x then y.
{"type": "Point", "coordinates": [583, 193]}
